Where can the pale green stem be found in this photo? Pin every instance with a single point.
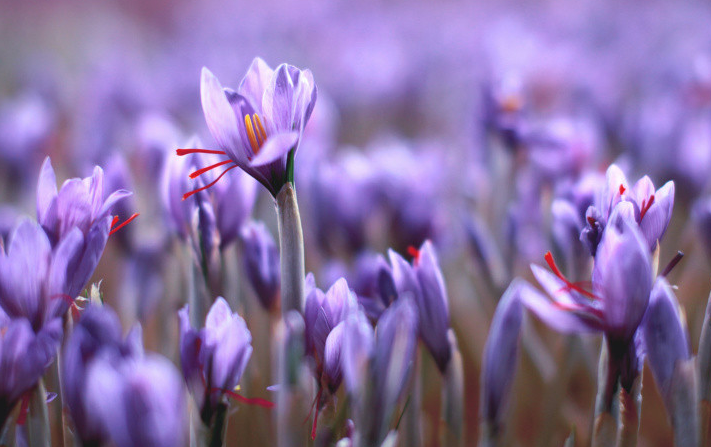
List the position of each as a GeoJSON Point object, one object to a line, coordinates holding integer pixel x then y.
{"type": "Point", "coordinates": [291, 245]}
{"type": "Point", "coordinates": [38, 429]}
{"type": "Point", "coordinates": [453, 396]}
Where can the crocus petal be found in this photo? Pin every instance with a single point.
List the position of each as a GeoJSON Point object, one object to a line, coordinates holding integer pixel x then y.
{"type": "Point", "coordinates": [111, 201]}
{"type": "Point", "coordinates": [500, 355]}
{"type": "Point", "coordinates": [256, 81]}
{"type": "Point", "coordinates": [219, 314]}
{"type": "Point", "coordinates": [79, 274]}
{"type": "Point", "coordinates": [278, 100]}
{"type": "Point", "coordinates": [642, 190]}
{"type": "Point", "coordinates": [665, 335]}
{"type": "Point", "coordinates": [276, 147]}
{"type": "Point", "coordinates": [656, 219]}
{"type": "Point", "coordinates": [561, 320]}
{"type": "Point", "coordinates": [332, 356]}
{"type": "Point", "coordinates": [46, 191]}
{"type": "Point", "coordinates": [219, 114]}
{"type": "Point", "coordinates": [357, 349]}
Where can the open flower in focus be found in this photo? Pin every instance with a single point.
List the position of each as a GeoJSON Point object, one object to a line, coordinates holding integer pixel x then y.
{"type": "Point", "coordinates": [259, 126]}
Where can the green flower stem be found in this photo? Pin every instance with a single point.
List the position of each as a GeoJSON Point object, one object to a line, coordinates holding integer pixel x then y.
{"type": "Point", "coordinates": [291, 245]}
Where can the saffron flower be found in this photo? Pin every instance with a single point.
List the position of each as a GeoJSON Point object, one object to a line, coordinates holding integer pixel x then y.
{"type": "Point", "coordinates": [423, 281]}
{"type": "Point", "coordinates": [261, 263]}
{"type": "Point", "coordinates": [214, 358]}
{"type": "Point", "coordinates": [259, 126]}
{"type": "Point", "coordinates": [33, 277]}
{"type": "Point", "coordinates": [97, 334]}
{"type": "Point", "coordinates": [621, 284]}
{"type": "Point", "coordinates": [24, 356]}
{"type": "Point", "coordinates": [652, 209]}
{"type": "Point", "coordinates": [78, 205]}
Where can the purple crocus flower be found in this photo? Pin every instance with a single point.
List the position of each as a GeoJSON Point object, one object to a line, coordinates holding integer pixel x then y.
{"type": "Point", "coordinates": [24, 356]}
{"type": "Point", "coordinates": [97, 334]}
{"type": "Point", "coordinates": [621, 283]}
{"type": "Point", "coordinates": [259, 126]}
{"type": "Point", "coordinates": [652, 209]}
{"type": "Point", "coordinates": [33, 277]}
{"type": "Point", "coordinates": [500, 358]}
{"type": "Point", "coordinates": [373, 283]}
{"type": "Point", "coordinates": [665, 336]}
{"type": "Point", "coordinates": [424, 282]}
{"type": "Point", "coordinates": [261, 263]}
{"type": "Point", "coordinates": [140, 401]}
{"type": "Point", "coordinates": [322, 314]}
{"type": "Point", "coordinates": [701, 215]}
{"type": "Point", "coordinates": [79, 205]}
{"type": "Point", "coordinates": [213, 358]}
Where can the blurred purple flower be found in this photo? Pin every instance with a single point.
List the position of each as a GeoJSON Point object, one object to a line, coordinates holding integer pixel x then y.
{"type": "Point", "coordinates": [213, 358]}
{"type": "Point", "coordinates": [652, 209]}
{"type": "Point", "coordinates": [261, 263]}
{"type": "Point", "coordinates": [259, 126]}
{"type": "Point", "coordinates": [24, 356]}
{"type": "Point", "coordinates": [423, 281]}
{"type": "Point", "coordinates": [140, 401]}
{"type": "Point", "coordinates": [665, 336]}
{"type": "Point", "coordinates": [78, 211]}
{"type": "Point", "coordinates": [373, 283]}
{"type": "Point", "coordinates": [322, 314]}
{"type": "Point", "coordinates": [621, 283]}
{"type": "Point", "coordinates": [500, 357]}
{"type": "Point", "coordinates": [701, 216]}
{"type": "Point", "coordinates": [97, 334]}
{"type": "Point", "coordinates": [33, 277]}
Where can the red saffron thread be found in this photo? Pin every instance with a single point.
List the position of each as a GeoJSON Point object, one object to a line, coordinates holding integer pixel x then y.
{"type": "Point", "coordinates": [570, 285]}
{"type": "Point", "coordinates": [126, 222]}
{"type": "Point", "coordinates": [247, 400]}
{"type": "Point", "coordinates": [200, 172]}
{"type": "Point", "coordinates": [622, 189]}
{"type": "Point", "coordinates": [182, 152]}
{"type": "Point", "coordinates": [195, 191]}
{"type": "Point", "coordinates": [646, 206]}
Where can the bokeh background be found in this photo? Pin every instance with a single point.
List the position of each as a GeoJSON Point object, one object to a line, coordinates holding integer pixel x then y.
{"type": "Point", "coordinates": [452, 120]}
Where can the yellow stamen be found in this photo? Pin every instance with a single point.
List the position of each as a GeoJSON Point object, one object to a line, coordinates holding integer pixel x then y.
{"type": "Point", "coordinates": [259, 126]}
{"type": "Point", "coordinates": [250, 134]}
{"type": "Point", "coordinates": [258, 134]}
{"type": "Point", "coordinates": [237, 388]}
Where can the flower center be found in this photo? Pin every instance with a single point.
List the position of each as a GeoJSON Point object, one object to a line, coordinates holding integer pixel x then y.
{"type": "Point", "coordinates": [255, 132]}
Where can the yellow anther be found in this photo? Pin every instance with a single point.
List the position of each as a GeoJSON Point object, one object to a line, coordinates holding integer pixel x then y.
{"type": "Point", "coordinates": [237, 388]}
{"type": "Point", "coordinates": [258, 125]}
{"type": "Point", "coordinates": [250, 134]}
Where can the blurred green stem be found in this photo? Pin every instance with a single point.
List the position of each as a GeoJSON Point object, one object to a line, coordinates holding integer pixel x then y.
{"type": "Point", "coordinates": [291, 246]}
{"type": "Point", "coordinates": [38, 429]}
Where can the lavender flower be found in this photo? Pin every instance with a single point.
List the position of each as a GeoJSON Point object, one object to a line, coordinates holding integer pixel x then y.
{"type": "Point", "coordinates": [259, 126]}
{"type": "Point", "coordinates": [261, 263]}
{"type": "Point", "coordinates": [98, 334]}
{"type": "Point", "coordinates": [140, 401]}
{"type": "Point", "coordinates": [665, 336]}
{"type": "Point", "coordinates": [33, 277]}
{"type": "Point", "coordinates": [424, 282]}
{"type": "Point", "coordinates": [651, 209]}
{"type": "Point", "coordinates": [621, 282]}
{"type": "Point", "coordinates": [213, 359]}
{"type": "Point", "coordinates": [79, 205]}
{"type": "Point", "coordinates": [500, 359]}
{"type": "Point", "coordinates": [24, 356]}
{"type": "Point", "coordinates": [323, 313]}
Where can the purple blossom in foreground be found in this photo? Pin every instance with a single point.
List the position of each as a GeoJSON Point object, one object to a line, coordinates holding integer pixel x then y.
{"type": "Point", "coordinates": [97, 334]}
{"type": "Point", "coordinates": [621, 283]}
{"type": "Point", "coordinates": [79, 212]}
{"type": "Point", "coordinates": [500, 358]}
{"type": "Point", "coordinates": [33, 277]}
{"type": "Point", "coordinates": [24, 356]}
{"type": "Point", "coordinates": [424, 282]}
{"type": "Point", "coordinates": [261, 263]}
{"type": "Point", "coordinates": [140, 401]}
{"type": "Point", "coordinates": [652, 210]}
{"type": "Point", "coordinates": [213, 358]}
{"type": "Point", "coordinates": [259, 126]}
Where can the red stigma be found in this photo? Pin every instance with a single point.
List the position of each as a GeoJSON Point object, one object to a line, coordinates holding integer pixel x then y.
{"type": "Point", "coordinates": [622, 189]}
{"type": "Point", "coordinates": [24, 409]}
{"type": "Point", "coordinates": [195, 191]}
{"type": "Point", "coordinates": [316, 402]}
{"type": "Point", "coordinates": [200, 172]}
{"type": "Point", "coordinates": [646, 206]}
{"type": "Point", "coordinates": [182, 152]}
{"type": "Point", "coordinates": [249, 401]}
{"type": "Point", "coordinates": [568, 284]}
{"type": "Point", "coordinates": [115, 220]}
{"type": "Point", "coordinates": [591, 221]}
{"type": "Point", "coordinates": [415, 253]}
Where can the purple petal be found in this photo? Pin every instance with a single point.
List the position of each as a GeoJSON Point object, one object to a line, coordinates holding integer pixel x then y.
{"type": "Point", "coordinates": [256, 81]}
{"type": "Point", "coordinates": [276, 147]}
{"type": "Point", "coordinates": [220, 115]}
{"type": "Point", "coordinates": [553, 316]}
{"type": "Point", "coordinates": [46, 191]}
